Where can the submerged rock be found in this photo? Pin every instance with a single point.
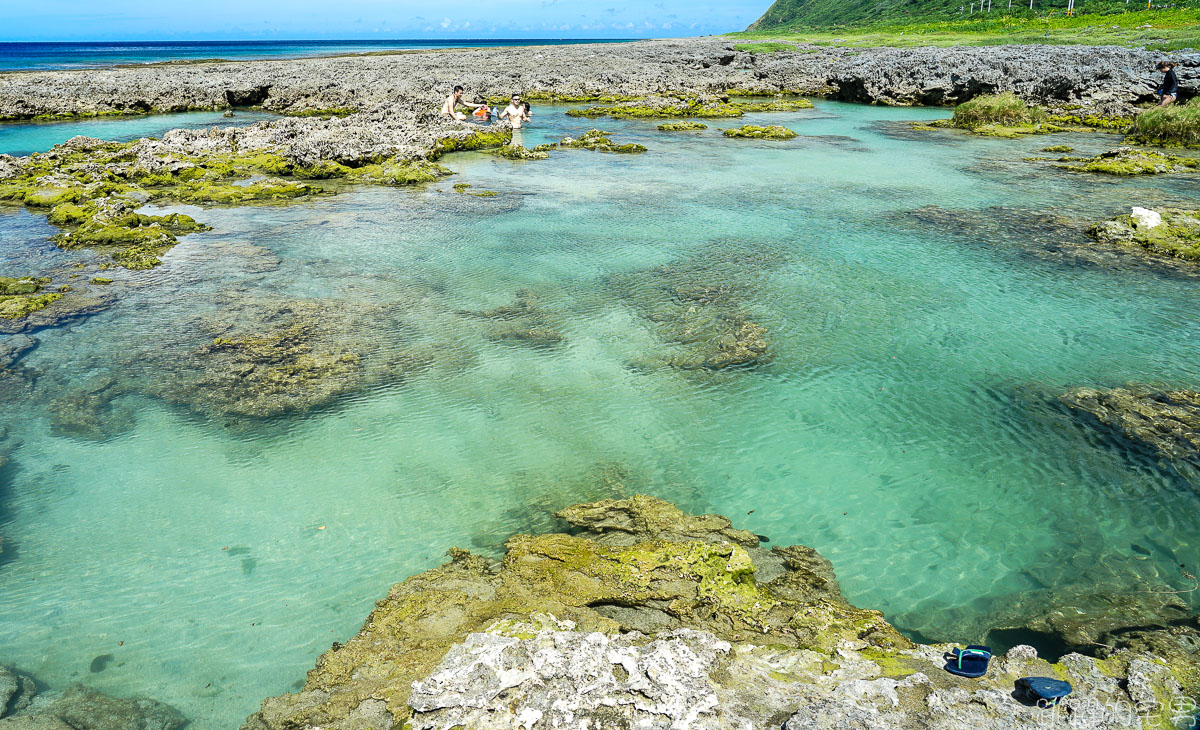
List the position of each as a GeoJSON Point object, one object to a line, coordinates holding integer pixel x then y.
{"type": "Point", "coordinates": [653, 618]}
{"type": "Point", "coordinates": [696, 305]}
{"type": "Point", "coordinates": [285, 367]}
{"type": "Point", "coordinates": [1170, 233]}
{"type": "Point", "coordinates": [16, 691]}
{"type": "Point", "coordinates": [92, 410]}
{"type": "Point", "coordinates": [1167, 421]}
{"type": "Point", "coordinates": [78, 708]}
{"type": "Point", "coordinates": [13, 348]}
{"type": "Point", "coordinates": [524, 321]}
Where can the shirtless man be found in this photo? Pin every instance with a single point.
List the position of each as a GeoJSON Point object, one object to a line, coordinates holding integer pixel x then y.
{"type": "Point", "coordinates": [515, 112]}
{"type": "Point", "coordinates": [453, 102]}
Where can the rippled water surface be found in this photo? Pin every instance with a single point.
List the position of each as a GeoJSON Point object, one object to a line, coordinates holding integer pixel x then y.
{"type": "Point", "coordinates": [906, 425]}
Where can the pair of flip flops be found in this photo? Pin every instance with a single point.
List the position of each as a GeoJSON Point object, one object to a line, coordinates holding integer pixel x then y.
{"type": "Point", "coordinates": [970, 662]}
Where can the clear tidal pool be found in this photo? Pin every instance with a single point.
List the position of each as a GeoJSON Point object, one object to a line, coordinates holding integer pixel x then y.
{"type": "Point", "coordinates": [24, 139]}
{"type": "Point", "coordinates": [906, 426]}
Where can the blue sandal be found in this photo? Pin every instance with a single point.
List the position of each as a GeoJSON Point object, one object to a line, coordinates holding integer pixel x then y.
{"type": "Point", "coordinates": [1044, 691]}
{"type": "Point", "coordinates": [970, 662]}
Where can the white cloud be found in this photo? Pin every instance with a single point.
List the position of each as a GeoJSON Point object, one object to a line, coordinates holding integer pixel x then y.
{"type": "Point", "coordinates": [446, 22]}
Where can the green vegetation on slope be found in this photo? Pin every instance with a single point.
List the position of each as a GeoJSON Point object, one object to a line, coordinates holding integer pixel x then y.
{"type": "Point", "coordinates": [1164, 30]}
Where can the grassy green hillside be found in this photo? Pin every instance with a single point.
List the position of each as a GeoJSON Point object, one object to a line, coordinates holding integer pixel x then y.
{"type": "Point", "coordinates": [940, 23]}
{"type": "Point", "coordinates": [794, 15]}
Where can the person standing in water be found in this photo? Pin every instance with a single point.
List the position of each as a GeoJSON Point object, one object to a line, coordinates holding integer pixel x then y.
{"type": "Point", "coordinates": [453, 102]}
{"type": "Point", "coordinates": [1169, 88]}
{"type": "Point", "coordinates": [515, 112]}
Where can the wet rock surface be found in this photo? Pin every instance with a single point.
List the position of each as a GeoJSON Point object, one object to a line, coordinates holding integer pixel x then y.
{"type": "Point", "coordinates": [650, 617]}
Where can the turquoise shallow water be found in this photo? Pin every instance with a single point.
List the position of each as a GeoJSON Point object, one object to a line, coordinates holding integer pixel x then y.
{"type": "Point", "coordinates": [905, 427]}
{"type": "Point", "coordinates": [24, 139]}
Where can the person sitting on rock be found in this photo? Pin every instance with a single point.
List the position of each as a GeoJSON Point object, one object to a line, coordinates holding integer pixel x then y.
{"type": "Point", "coordinates": [453, 102]}
{"type": "Point", "coordinates": [1169, 88]}
{"type": "Point", "coordinates": [514, 112]}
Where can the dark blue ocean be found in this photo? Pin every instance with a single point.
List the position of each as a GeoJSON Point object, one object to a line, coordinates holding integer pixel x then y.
{"type": "Point", "coordinates": [97, 54]}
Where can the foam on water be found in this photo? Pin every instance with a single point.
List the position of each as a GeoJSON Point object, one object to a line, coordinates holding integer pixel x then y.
{"type": "Point", "coordinates": [906, 427]}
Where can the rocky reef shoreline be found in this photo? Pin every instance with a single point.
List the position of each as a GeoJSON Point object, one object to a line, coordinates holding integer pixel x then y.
{"type": "Point", "coordinates": [1101, 77]}
{"type": "Point", "coordinates": [639, 615]}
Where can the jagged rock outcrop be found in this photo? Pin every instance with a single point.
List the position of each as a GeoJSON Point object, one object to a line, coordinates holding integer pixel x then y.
{"type": "Point", "coordinates": [648, 617]}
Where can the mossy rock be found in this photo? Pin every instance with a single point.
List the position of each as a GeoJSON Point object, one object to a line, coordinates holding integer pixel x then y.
{"type": "Point", "coordinates": [517, 152]}
{"type": "Point", "coordinates": [19, 307]}
{"type": "Point", "coordinates": [642, 565]}
{"type": "Point", "coordinates": [1176, 237]}
{"type": "Point", "coordinates": [1058, 148]}
{"type": "Point", "coordinates": [481, 140]}
{"type": "Point", "coordinates": [1127, 162]}
{"type": "Point", "coordinates": [681, 126]}
{"type": "Point", "coordinates": [599, 141]}
{"type": "Point", "coordinates": [751, 131]}
{"type": "Point", "coordinates": [21, 285]}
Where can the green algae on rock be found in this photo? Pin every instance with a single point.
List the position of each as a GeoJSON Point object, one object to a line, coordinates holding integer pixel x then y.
{"type": "Point", "coordinates": [474, 141]}
{"type": "Point", "coordinates": [93, 188]}
{"type": "Point", "coordinates": [690, 107]}
{"type": "Point", "coordinates": [1127, 161]}
{"type": "Point", "coordinates": [681, 126]}
{"type": "Point", "coordinates": [517, 152]}
{"type": "Point", "coordinates": [1167, 421]}
{"type": "Point", "coordinates": [649, 617]}
{"type": "Point", "coordinates": [465, 189]}
{"type": "Point", "coordinates": [598, 141]}
{"type": "Point", "coordinates": [1172, 233]}
{"type": "Point", "coordinates": [20, 297]}
{"type": "Point", "coordinates": [752, 131]}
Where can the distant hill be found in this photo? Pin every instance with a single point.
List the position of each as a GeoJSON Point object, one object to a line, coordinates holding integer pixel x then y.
{"type": "Point", "coordinates": [790, 14]}
{"type": "Point", "coordinates": [786, 14]}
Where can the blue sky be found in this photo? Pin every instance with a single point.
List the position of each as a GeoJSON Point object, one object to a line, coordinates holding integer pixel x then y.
{"type": "Point", "coordinates": [46, 20]}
